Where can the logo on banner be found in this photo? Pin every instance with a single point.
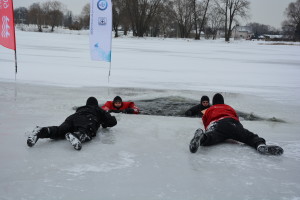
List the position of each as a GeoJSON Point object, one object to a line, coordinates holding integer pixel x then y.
{"type": "Point", "coordinates": [5, 27]}
{"type": "Point", "coordinates": [101, 53]}
{"type": "Point", "coordinates": [102, 4]}
{"type": "Point", "coordinates": [102, 21]}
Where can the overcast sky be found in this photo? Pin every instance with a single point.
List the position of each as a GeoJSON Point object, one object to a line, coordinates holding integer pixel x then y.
{"type": "Point", "coordinates": [268, 12]}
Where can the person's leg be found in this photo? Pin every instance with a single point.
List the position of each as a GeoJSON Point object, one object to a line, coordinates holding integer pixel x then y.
{"type": "Point", "coordinates": [42, 132]}
{"type": "Point", "coordinates": [253, 140]}
{"type": "Point", "coordinates": [213, 135]}
{"type": "Point", "coordinates": [59, 132]}
{"type": "Point", "coordinates": [243, 135]}
{"type": "Point", "coordinates": [216, 134]}
{"type": "Point", "coordinates": [38, 132]}
{"type": "Point", "coordinates": [53, 132]}
{"type": "Point", "coordinates": [259, 144]}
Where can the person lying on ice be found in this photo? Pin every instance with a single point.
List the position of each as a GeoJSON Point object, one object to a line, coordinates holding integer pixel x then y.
{"type": "Point", "coordinates": [221, 123]}
{"type": "Point", "coordinates": [77, 128]}
{"type": "Point", "coordinates": [196, 110]}
{"type": "Point", "coordinates": [118, 106]}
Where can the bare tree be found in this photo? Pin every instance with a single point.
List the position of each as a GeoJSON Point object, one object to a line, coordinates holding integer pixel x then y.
{"type": "Point", "coordinates": [85, 16]}
{"type": "Point", "coordinates": [204, 16]}
{"type": "Point", "coordinates": [36, 15]}
{"type": "Point", "coordinates": [141, 13]}
{"type": "Point", "coordinates": [215, 22]}
{"type": "Point", "coordinates": [232, 9]}
{"type": "Point", "coordinates": [163, 23]}
{"type": "Point", "coordinates": [53, 11]}
{"type": "Point", "coordinates": [196, 18]}
{"type": "Point", "coordinates": [120, 16]}
{"type": "Point", "coordinates": [183, 10]}
{"type": "Point", "coordinates": [292, 24]}
{"type": "Point", "coordinates": [260, 29]}
{"type": "Point", "coordinates": [167, 21]}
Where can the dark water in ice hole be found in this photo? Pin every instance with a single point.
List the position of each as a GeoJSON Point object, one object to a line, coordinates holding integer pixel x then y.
{"type": "Point", "coordinates": [176, 106]}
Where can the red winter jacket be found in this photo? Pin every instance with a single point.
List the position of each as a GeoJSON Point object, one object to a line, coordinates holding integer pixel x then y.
{"type": "Point", "coordinates": [109, 105]}
{"type": "Point", "coordinates": [218, 112]}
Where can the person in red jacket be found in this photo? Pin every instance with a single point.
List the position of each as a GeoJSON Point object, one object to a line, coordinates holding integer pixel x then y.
{"type": "Point", "coordinates": [221, 122]}
{"type": "Point", "coordinates": [118, 106]}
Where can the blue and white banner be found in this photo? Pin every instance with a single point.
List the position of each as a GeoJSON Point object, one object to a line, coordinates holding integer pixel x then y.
{"type": "Point", "coordinates": [100, 29]}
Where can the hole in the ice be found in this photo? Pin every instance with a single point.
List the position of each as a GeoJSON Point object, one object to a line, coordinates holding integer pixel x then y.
{"type": "Point", "coordinates": [176, 106]}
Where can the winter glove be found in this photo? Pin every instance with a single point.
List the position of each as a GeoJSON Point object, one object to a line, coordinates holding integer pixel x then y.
{"type": "Point", "coordinates": [118, 111]}
{"type": "Point", "coordinates": [129, 110]}
{"type": "Point", "coordinates": [115, 111]}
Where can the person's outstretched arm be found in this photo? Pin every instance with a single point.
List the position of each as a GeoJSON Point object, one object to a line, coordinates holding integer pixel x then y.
{"type": "Point", "coordinates": [107, 119]}
{"type": "Point", "coordinates": [193, 111]}
{"type": "Point", "coordinates": [132, 109]}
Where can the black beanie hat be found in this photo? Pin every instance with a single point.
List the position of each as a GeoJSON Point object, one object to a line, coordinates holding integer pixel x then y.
{"type": "Point", "coordinates": [91, 101]}
{"type": "Point", "coordinates": [218, 99]}
{"type": "Point", "coordinates": [204, 98]}
{"type": "Point", "coordinates": [117, 99]}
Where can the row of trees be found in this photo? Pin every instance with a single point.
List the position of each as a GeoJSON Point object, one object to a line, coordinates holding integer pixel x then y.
{"type": "Point", "coordinates": [42, 14]}
{"type": "Point", "coordinates": [168, 18]}
{"type": "Point", "coordinates": [262, 29]}
{"type": "Point", "coordinates": [291, 26]}
{"type": "Point", "coordinates": [53, 14]}
{"type": "Point", "coordinates": [182, 18]}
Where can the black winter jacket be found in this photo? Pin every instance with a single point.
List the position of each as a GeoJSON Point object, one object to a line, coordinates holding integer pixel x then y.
{"type": "Point", "coordinates": [97, 115]}
{"type": "Point", "coordinates": [196, 110]}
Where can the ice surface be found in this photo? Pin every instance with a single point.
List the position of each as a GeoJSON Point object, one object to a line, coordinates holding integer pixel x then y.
{"type": "Point", "coordinates": [147, 157]}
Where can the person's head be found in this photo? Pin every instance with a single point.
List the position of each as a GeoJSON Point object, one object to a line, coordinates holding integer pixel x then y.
{"type": "Point", "coordinates": [117, 102]}
{"type": "Point", "coordinates": [91, 101]}
{"type": "Point", "coordinates": [218, 99]}
{"type": "Point", "coordinates": [204, 101]}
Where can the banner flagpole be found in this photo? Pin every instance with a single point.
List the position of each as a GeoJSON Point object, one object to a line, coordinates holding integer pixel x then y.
{"type": "Point", "coordinates": [15, 48]}
{"type": "Point", "coordinates": [15, 43]}
{"type": "Point", "coordinates": [16, 65]}
{"type": "Point", "coordinates": [109, 71]}
{"type": "Point", "coordinates": [108, 88]}
{"type": "Point", "coordinates": [16, 71]}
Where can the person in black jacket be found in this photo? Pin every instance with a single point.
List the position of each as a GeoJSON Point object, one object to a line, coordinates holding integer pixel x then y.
{"type": "Point", "coordinates": [78, 127]}
{"type": "Point", "coordinates": [196, 110]}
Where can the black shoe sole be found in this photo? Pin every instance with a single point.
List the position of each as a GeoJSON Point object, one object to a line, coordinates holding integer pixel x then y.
{"type": "Point", "coordinates": [31, 143]}
{"type": "Point", "coordinates": [193, 145]}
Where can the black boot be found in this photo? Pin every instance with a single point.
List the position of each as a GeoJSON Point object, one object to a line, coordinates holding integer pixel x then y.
{"type": "Point", "coordinates": [37, 133]}
{"type": "Point", "coordinates": [269, 149]}
{"type": "Point", "coordinates": [195, 142]}
{"type": "Point", "coordinates": [74, 140]}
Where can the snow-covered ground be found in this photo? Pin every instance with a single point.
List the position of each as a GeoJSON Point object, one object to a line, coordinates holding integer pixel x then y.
{"type": "Point", "coordinates": [147, 157]}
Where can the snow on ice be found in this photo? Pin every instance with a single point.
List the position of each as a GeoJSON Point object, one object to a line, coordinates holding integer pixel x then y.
{"type": "Point", "coordinates": [146, 156]}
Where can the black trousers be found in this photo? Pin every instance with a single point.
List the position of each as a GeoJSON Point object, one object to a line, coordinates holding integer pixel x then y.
{"type": "Point", "coordinates": [229, 128]}
{"type": "Point", "coordinates": [82, 126]}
